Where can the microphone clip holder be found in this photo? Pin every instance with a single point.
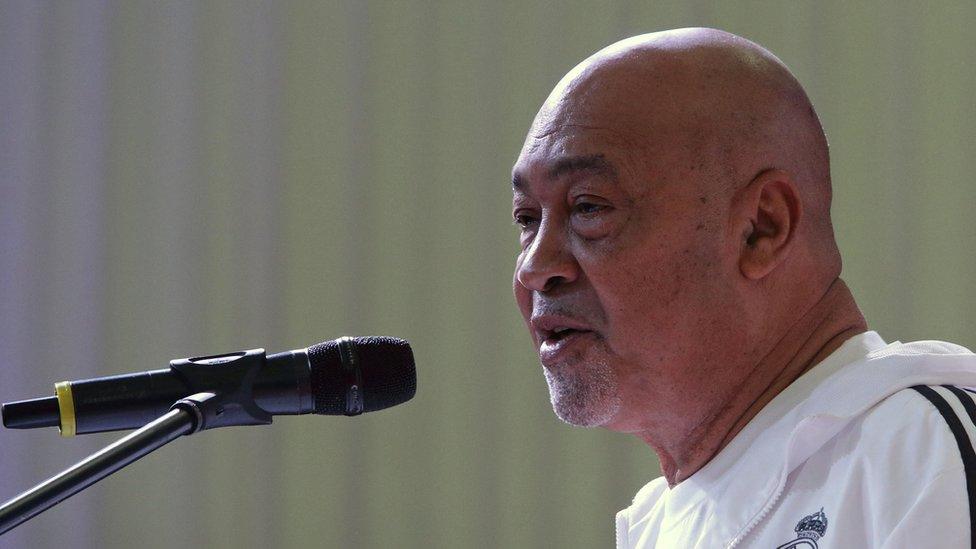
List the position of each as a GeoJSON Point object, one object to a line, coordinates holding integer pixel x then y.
{"type": "Point", "coordinates": [229, 398]}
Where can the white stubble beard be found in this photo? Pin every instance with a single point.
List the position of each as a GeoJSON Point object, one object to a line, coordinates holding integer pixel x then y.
{"type": "Point", "coordinates": [583, 392]}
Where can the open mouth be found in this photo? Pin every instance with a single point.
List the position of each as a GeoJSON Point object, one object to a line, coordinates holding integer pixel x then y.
{"type": "Point", "coordinates": [558, 342]}
{"type": "Point", "coordinates": [560, 334]}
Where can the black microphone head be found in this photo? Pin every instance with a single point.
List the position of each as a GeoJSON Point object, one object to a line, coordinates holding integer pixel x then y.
{"type": "Point", "coordinates": [386, 374]}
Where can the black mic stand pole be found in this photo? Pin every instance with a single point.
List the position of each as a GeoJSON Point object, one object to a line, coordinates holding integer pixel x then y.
{"type": "Point", "coordinates": [187, 416]}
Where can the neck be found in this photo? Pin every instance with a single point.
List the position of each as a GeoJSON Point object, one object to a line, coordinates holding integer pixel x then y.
{"type": "Point", "coordinates": [834, 319]}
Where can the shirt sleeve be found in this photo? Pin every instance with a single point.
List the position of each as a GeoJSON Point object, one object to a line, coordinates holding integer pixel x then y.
{"type": "Point", "coordinates": [939, 517]}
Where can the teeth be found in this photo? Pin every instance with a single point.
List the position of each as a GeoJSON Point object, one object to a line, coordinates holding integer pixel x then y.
{"type": "Point", "coordinates": [560, 330]}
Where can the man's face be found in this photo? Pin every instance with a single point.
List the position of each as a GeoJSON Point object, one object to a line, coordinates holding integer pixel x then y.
{"type": "Point", "coordinates": [619, 271]}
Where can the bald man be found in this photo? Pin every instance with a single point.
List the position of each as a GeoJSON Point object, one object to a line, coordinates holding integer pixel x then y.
{"type": "Point", "coordinates": [680, 280]}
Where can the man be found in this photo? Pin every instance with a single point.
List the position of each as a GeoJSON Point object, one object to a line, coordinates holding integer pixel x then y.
{"type": "Point", "coordinates": [680, 278]}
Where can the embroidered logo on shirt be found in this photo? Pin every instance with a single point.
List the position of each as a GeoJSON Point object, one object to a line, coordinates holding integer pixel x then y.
{"type": "Point", "coordinates": [810, 529]}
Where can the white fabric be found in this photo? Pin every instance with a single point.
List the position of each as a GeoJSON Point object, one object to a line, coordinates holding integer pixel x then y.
{"type": "Point", "coordinates": [850, 437]}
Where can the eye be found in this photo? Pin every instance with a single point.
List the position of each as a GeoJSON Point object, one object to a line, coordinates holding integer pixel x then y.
{"type": "Point", "coordinates": [592, 216]}
{"type": "Point", "coordinates": [589, 205]}
{"type": "Point", "coordinates": [524, 219]}
{"type": "Point", "coordinates": [588, 208]}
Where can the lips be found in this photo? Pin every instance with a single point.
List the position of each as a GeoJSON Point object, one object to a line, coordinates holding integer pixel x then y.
{"type": "Point", "coordinates": [555, 347]}
{"type": "Point", "coordinates": [557, 334]}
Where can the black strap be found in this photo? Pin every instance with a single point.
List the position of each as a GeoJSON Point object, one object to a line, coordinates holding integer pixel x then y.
{"type": "Point", "coordinates": [962, 440]}
{"type": "Point", "coordinates": [965, 400]}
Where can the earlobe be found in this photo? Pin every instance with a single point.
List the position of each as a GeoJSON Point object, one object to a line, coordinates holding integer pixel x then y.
{"type": "Point", "coordinates": [769, 210]}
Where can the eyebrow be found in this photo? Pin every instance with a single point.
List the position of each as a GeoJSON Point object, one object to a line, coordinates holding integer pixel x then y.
{"type": "Point", "coordinates": [594, 163]}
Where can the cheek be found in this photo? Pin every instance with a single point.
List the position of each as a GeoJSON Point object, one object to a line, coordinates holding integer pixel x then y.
{"type": "Point", "coordinates": [652, 296]}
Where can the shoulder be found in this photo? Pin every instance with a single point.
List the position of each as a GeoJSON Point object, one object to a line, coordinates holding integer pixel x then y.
{"type": "Point", "coordinates": [917, 465]}
{"type": "Point", "coordinates": [923, 430]}
{"type": "Point", "coordinates": [925, 347]}
{"type": "Point", "coordinates": [896, 472]}
{"type": "Point", "coordinates": [929, 405]}
{"type": "Point", "coordinates": [926, 409]}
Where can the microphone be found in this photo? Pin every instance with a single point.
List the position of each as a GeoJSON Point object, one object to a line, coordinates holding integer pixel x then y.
{"type": "Point", "coordinates": [345, 376]}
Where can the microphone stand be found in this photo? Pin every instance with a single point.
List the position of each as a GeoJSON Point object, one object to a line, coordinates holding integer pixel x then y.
{"type": "Point", "coordinates": [229, 402]}
{"type": "Point", "coordinates": [187, 416]}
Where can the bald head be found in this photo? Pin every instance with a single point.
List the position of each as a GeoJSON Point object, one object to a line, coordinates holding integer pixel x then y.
{"type": "Point", "coordinates": [708, 108]}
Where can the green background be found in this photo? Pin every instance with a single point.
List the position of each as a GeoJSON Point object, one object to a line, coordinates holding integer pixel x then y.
{"type": "Point", "coordinates": [277, 174]}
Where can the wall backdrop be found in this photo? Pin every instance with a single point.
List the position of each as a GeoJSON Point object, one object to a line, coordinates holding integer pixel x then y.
{"type": "Point", "coordinates": [181, 178]}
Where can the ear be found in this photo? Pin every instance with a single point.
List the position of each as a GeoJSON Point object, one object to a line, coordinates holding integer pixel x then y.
{"type": "Point", "coordinates": [766, 214]}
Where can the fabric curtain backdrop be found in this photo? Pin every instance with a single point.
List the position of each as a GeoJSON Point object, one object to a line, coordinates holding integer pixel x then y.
{"type": "Point", "coordinates": [184, 178]}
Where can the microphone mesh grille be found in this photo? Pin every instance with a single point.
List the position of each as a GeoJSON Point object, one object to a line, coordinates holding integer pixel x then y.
{"type": "Point", "coordinates": [388, 373]}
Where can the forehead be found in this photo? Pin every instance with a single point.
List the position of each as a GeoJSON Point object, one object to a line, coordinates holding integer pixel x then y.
{"type": "Point", "coordinates": [551, 153]}
{"type": "Point", "coordinates": [593, 164]}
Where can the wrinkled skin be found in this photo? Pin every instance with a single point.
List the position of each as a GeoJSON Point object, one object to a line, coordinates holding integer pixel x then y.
{"type": "Point", "coordinates": [673, 199]}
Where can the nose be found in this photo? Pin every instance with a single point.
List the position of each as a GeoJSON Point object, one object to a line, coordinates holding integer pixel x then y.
{"type": "Point", "coordinates": [547, 262]}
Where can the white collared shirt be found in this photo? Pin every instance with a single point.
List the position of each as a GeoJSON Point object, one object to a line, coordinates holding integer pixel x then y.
{"type": "Point", "coordinates": [849, 455]}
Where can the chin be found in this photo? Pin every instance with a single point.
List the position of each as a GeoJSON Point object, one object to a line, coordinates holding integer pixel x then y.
{"type": "Point", "coordinates": [583, 418]}
{"type": "Point", "coordinates": [584, 394]}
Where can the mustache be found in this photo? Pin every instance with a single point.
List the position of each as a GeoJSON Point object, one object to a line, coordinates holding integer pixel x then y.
{"type": "Point", "coordinates": [546, 306]}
